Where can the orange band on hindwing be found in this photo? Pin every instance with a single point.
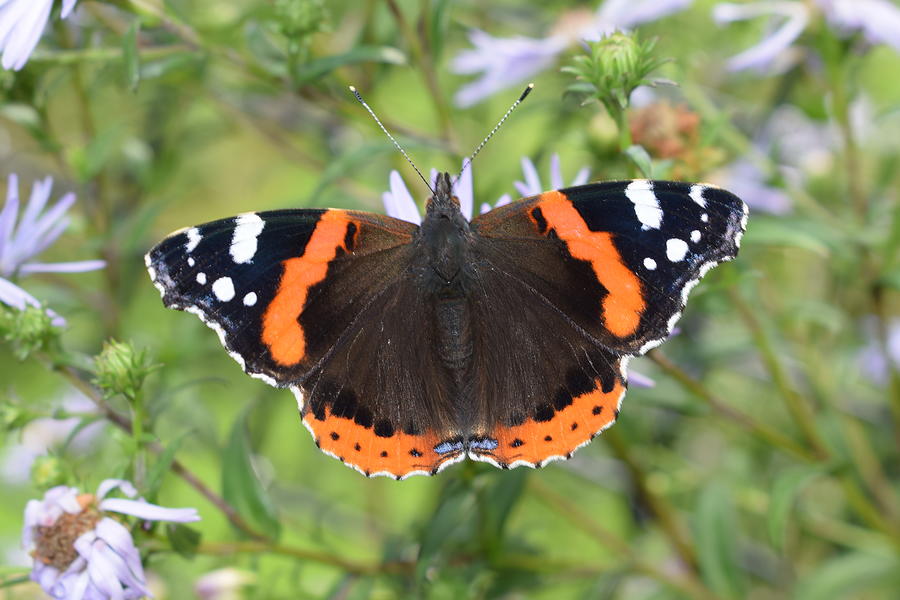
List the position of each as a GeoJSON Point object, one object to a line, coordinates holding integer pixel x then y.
{"type": "Point", "coordinates": [623, 304]}
{"type": "Point", "coordinates": [281, 329]}
{"type": "Point", "coordinates": [534, 441]}
{"type": "Point", "coordinates": [397, 455]}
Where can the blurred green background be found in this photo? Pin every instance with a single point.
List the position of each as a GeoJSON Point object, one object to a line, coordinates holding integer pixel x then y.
{"type": "Point", "coordinates": [763, 463]}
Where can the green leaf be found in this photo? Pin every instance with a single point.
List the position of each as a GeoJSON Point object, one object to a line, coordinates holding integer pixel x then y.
{"type": "Point", "coordinates": [161, 467]}
{"type": "Point", "coordinates": [241, 487]}
{"type": "Point", "coordinates": [497, 500]}
{"type": "Point", "coordinates": [849, 575]}
{"type": "Point", "coordinates": [320, 67]}
{"type": "Point", "coordinates": [785, 490]}
{"type": "Point", "coordinates": [184, 539]}
{"type": "Point", "coordinates": [131, 56]}
{"type": "Point", "coordinates": [450, 526]}
{"type": "Point", "coordinates": [350, 162]}
{"type": "Point", "coordinates": [784, 232]}
{"type": "Point", "coordinates": [716, 547]}
{"type": "Point", "coordinates": [641, 159]}
{"type": "Point", "coordinates": [440, 19]}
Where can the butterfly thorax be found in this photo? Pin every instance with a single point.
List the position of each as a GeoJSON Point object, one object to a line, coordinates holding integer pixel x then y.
{"type": "Point", "coordinates": [446, 236]}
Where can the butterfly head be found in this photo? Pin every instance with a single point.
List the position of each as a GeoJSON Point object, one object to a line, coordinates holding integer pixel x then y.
{"type": "Point", "coordinates": [443, 203]}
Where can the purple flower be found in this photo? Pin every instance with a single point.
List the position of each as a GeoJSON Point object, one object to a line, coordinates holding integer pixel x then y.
{"type": "Point", "coordinates": [399, 203]}
{"type": "Point", "coordinates": [223, 584]}
{"type": "Point", "coordinates": [21, 25]}
{"type": "Point", "coordinates": [23, 238]}
{"type": "Point", "coordinates": [503, 62]}
{"type": "Point", "coordinates": [79, 552]}
{"type": "Point", "coordinates": [878, 20]}
{"type": "Point", "coordinates": [875, 363]}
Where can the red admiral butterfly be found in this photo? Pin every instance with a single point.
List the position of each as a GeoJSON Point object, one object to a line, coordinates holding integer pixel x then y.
{"type": "Point", "coordinates": [504, 339]}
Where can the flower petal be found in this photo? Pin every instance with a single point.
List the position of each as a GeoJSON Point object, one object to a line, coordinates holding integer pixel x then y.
{"type": "Point", "coordinates": [403, 204]}
{"type": "Point", "coordinates": [463, 190]}
{"type": "Point", "coordinates": [625, 14]}
{"type": "Point", "coordinates": [67, 7]}
{"type": "Point", "coordinates": [150, 512]}
{"type": "Point", "coordinates": [108, 485]}
{"type": "Point", "coordinates": [64, 267]}
{"type": "Point", "coordinates": [877, 19]}
{"type": "Point", "coordinates": [556, 180]}
{"type": "Point", "coordinates": [532, 185]}
{"type": "Point", "coordinates": [21, 26]}
{"type": "Point", "coordinates": [8, 219]}
{"type": "Point", "coordinates": [762, 55]}
{"type": "Point", "coordinates": [582, 176]}
{"type": "Point", "coordinates": [640, 380]}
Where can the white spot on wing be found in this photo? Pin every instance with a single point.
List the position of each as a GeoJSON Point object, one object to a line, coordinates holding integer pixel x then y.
{"type": "Point", "coordinates": [695, 236]}
{"type": "Point", "coordinates": [250, 299]}
{"type": "Point", "coordinates": [646, 206]}
{"type": "Point", "coordinates": [704, 217]}
{"type": "Point", "coordinates": [191, 262]}
{"type": "Point", "coordinates": [201, 278]}
{"type": "Point", "coordinates": [194, 237]}
{"type": "Point", "coordinates": [697, 194]}
{"type": "Point", "coordinates": [676, 249]}
{"type": "Point", "coordinates": [223, 288]}
{"type": "Point", "coordinates": [243, 241]}
{"type": "Point", "coordinates": [649, 264]}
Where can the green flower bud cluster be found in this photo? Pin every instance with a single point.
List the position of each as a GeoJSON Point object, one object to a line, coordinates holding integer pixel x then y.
{"type": "Point", "coordinates": [613, 68]}
{"type": "Point", "coordinates": [28, 331]}
{"type": "Point", "coordinates": [120, 369]}
{"type": "Point", "coordinates": [300, 19]}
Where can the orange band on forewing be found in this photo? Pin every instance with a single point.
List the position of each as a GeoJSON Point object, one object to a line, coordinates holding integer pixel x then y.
{"type": "Point", "coordinates": [281, 329]}
{"type": "Point", "coordinates": [623, 304]}
{"type": "Point", "coordinates": [358, 446]}
{"type": "Point", "coordinates": [535, 441]}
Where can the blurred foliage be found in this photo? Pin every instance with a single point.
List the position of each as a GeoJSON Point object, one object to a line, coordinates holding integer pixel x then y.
{"type": "Point", "coordinates": [763, 464]}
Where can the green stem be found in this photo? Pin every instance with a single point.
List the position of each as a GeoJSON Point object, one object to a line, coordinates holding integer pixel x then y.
{"type": "Point", "coordinates": [70, 374]}
{"type": "Point", "coordinates": [422, 56]}
{"type": "Point", "coordinates": [663, 511]}
{"type": "Point", "coordinates": [768, 434]}
{"type": "Point", "coordinates": [688, 584]}
{"type": "Point", "coordinates": [797, 405]}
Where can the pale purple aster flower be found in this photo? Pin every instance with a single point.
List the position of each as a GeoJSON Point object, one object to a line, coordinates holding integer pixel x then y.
{"type": "Point", "coordinates": [748, 180]}
{"type": "Point", "coordinates": [872, 359]}
{"type": "Point", "coordinates": [788, 20]}
{"type": "Point", "coordinates": [400, 204]}
{"type": "Point", "coordinates": [23, 238]}
{"type": "Point", "coordinates": [878, 20]}
{"type": "Point", "coordinates": [40, 436]}
{"type": "Point", "coordinates": [223, 584]}
{"type": "Point", "coordinates": [503, 62]}
{"type": "Point", "coordinates": [81, 553]}
{"type": "Point", "coordinates": [532, 184]}
{"type": "Point", "coordinates": [21, 24]}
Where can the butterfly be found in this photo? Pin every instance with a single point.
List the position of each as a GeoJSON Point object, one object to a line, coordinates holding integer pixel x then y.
{"type": "Point", "coordinates": [409, 348]}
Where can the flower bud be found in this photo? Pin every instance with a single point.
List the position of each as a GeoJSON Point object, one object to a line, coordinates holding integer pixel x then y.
{"type": "Point", "coordinates": [29, 330]}
{"type": "Point", "coordinates": [613, 67]}
{"type": "Point", "coordinates": [300, 19]}
{"type": "Point", "coordinates": [120, 369]}
{"type": "Point", "coordinates": [48, 471]}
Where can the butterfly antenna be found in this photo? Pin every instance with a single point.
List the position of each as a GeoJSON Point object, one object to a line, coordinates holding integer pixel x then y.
{"type": "Point", "coordinates": [469, 160]}
{"type": "Point", "coordinates": [396, 143]}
